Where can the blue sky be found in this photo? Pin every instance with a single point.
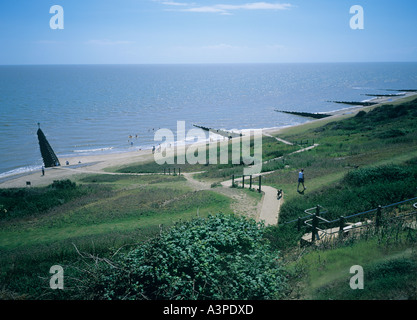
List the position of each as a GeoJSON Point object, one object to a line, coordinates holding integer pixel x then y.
{"type": "Point", "coordinates": [212, 31]}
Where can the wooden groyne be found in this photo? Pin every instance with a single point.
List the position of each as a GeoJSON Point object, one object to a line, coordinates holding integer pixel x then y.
{"type": "Point", "coordinates": [224, 133]}
{"type": "Point", "coordinates": [356, 103]}
{"type": "Point", "coordinates": [306, 114]}
{"type": "Point", "coordinates": [385, 95]}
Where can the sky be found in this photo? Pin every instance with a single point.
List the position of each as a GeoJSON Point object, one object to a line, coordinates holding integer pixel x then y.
{"type": "Point", "coordinates": [211, 31]}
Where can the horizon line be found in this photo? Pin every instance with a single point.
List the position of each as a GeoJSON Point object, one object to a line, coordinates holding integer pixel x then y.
{"type": "Point", "coordinates": [200, 63]}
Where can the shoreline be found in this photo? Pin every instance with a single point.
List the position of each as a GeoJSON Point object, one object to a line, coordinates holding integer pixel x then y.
{"type": "Point", "coordinates": [98, 163]}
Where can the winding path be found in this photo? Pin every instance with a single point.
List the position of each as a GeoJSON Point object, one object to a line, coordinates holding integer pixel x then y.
{"type": "Point", "coordinates": [270, 202]}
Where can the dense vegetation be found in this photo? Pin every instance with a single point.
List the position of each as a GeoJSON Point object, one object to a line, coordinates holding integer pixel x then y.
{"type": "Point", "coordinates": [220, 257]}
{"type": "Point", "coordinates": [33, 201]}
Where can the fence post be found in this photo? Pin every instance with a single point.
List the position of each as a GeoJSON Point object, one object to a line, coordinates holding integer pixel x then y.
{"type": "Point", "coordinates": [318, 210]}
{"type": "Point", "coordinates": [378, 216]}
{"type": "Point", "coordinates": [233, 180]}
{"type": "Point", "coordinates": [179, 171]}
{"type": "Point", "coordinates": [250, 182]}
{"type": "Point", "coordinates": [174, 171]}
{"type": "Point", "coordinates": [243, 182]}
{"type": "Point", "coordinates": [341, 224]}
{"type": "Point", "coordinates": [314, 233]}
{"type": "Point", "coordinates": [260, 183]}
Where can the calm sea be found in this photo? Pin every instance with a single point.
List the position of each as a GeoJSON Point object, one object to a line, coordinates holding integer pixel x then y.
{"type": "Point", "coordinates": [92, 109]}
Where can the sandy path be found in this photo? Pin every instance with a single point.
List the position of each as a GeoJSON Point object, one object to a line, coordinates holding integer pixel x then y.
{"type": "Point", "coordinates": [278, 139]}
{"type": "Point", "coordinates": [196, 184]}
{"type": "Point", "coordinates": [270, 204]}
{"type": "Point", "coordinates": [243, 204]}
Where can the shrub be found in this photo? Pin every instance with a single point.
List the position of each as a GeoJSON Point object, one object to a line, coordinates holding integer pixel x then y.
{"type": "Point", "coordinates": [63, 184]}
{"type": "Point", "coordinates": [17, 203]}
{"type": "Point", "coordinates": [388, 173]}
{"type": "Point", "coordinates": [392, 133]}
{"type": "Point", "coordinates": [360, 114]}
{"type": "Point", "coordinates": [221, 257]}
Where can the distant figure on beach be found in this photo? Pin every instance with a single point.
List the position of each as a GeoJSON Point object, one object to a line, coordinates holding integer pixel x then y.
{"type": "Point", "coordinates": [43, 171]}
{"type": "Point", "coordinates": [153, 149]}
{"type": "Point", "coordinates": [301, 180]}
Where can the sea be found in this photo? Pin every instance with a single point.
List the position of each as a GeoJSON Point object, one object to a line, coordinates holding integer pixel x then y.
{"type": "Point", "coordinates": [97, 109]}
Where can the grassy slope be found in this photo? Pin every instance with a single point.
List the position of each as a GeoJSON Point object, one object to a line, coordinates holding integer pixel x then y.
{"type": "Point", "coordinates": [120, 210]}
{"type": "Point", "coordinates": [367, 142]}
{"type": "Point", "coordinates": [342, 149]}
{"type": "Point", "coordinates": [106, 212]}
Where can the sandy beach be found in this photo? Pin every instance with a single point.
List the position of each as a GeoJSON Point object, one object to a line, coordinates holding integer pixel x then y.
{"type": "Point", "coordinates": [97, 163]}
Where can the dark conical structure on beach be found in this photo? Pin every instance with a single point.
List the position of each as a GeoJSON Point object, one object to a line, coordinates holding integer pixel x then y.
{"type": "Point", "coordinates": [48, 155]}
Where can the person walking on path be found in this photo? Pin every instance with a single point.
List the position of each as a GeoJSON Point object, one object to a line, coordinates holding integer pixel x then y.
{"type": "Point", "coordinates": [301, 180]}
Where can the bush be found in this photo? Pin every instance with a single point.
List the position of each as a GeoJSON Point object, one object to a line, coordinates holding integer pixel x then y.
{"type": "Point", "coordinates": [63, 184]}
{"type": "Point", "coordinates": [360, 114]}
{"type": "Point", "coordinates": [221, 257]}
{"type": "Point", "coordinates": [18, 203]}
{"type": "Point", "coordinates": [392, 133]}
{"type": "Point", "coordinates": [389, 173]}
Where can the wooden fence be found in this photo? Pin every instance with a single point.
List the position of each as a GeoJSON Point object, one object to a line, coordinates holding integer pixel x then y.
{"type": "Point", "coordinates": [319, 224]}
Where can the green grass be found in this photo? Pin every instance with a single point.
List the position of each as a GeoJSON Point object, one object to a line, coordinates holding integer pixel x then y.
{"type": "Point", "coordinates": [271, 148]}
{"type": "Point", "coordinates": [353, 142]}
{"type": "Point", "coordinates": [99, 212]}
{"type": "Point", "coordinates": [55, 232]}
{"type": "Point", "coordinates": [389, 273]}
{"type": "Point", "coordinates": [361, 161]}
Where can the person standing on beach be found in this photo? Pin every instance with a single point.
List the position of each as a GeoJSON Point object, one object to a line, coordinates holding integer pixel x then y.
{"type": "Point", "coordinates": [43, 171]}
{"type": "Point", "coordinates": [301, 180]}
